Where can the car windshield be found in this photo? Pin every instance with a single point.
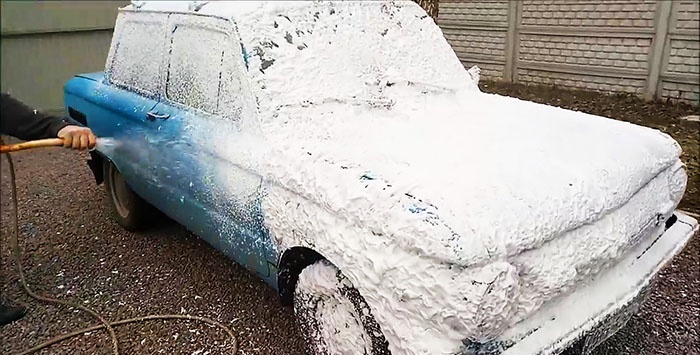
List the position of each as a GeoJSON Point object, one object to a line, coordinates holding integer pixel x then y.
{"type": "Point", "coordinates": [372, 52]}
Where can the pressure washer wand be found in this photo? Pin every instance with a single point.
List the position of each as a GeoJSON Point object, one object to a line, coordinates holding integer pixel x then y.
{"type": "Point", "coordinates": [41, 143]}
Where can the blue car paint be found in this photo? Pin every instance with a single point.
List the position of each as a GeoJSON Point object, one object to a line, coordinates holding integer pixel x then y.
{"type": "Point", "coordinates": [188, 190]}
{"type": "Point", "coordinates": [168, 169]}
{"type": "Point", "coordinates": [96, 76]}
{"type": "Point", "coordinates": [112, 112]}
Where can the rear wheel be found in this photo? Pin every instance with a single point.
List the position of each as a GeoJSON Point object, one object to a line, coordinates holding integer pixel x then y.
{"type": "Point", "coordinates": [129, 209]}
{"type": "Point", "coordinates": [334, 319]}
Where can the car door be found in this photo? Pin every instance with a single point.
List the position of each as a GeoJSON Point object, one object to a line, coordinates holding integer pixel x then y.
{"type": "Point", "coordinates": [207, 191]}
{"type": "Point", "coordinates": [131, 91]}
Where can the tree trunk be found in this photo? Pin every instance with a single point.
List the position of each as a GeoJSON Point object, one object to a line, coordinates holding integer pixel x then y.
{"type": "Point", "coordinates": [430, 6]}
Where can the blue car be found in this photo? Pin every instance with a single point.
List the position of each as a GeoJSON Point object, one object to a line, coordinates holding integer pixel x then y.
{"type": "Point", "coordinates": [340, 151]}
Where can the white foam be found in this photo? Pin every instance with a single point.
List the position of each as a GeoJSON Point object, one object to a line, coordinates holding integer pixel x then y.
{"type": "Point", "coordinates": [454, 212]}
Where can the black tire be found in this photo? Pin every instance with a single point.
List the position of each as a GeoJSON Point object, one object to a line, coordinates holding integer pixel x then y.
{"type": "Point", "coordinates": [334, 319]}
{"type": "Point", "coordinates": [128, 208]}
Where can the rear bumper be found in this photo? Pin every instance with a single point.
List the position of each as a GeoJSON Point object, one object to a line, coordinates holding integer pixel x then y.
{"type": "Point", "coordinates": [586, 317]}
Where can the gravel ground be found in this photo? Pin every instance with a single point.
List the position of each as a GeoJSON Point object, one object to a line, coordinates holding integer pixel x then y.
{"type": "Point", "coordinates": [73, 250]}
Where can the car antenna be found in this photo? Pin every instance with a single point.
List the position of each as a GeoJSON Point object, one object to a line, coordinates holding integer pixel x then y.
{"type": "Point", "coordinates": [197, 5]}
{"type": "Point", "coordinates": [137, 4]}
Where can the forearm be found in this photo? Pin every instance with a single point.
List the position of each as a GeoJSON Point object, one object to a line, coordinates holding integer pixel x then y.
{"type": "Point", "coordinates": [21, 121]}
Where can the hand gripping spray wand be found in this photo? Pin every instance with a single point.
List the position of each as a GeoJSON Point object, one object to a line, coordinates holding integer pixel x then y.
{"type": "Point", "coordinates": [14, 245]}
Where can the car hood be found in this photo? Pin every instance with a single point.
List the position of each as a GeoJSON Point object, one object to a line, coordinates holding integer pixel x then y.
{"type": "Point", "coordinates": [468, 178]}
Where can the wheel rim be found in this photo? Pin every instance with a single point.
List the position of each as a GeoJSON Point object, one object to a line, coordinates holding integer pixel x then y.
{"type": "Point", "coordinates": [120, 193]}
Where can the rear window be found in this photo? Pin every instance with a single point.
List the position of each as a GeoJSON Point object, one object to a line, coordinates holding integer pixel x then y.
{"type": "Point", "coordinates": [138, 53]}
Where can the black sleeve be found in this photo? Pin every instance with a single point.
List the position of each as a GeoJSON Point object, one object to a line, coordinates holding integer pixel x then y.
{"type": "Point", "coordinates": [21, 121]}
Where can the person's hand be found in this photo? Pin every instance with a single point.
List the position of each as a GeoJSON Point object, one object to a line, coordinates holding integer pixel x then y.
{"type": "Point", "coordinates": [77, 137]}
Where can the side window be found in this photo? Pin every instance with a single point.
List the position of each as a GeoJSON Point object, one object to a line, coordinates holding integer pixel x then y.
{"type": "Point", "coordinates": [232, 98]}
{"type": "Point", "coordinates": [137, 56]}
{"type": "Point", "coordinates": [195, 67]}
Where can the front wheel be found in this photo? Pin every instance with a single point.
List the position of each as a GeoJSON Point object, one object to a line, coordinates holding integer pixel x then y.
{"type": "Point", "coordinates": [334, 319]}
{"type": "Point", "coordinates": [128, 209]}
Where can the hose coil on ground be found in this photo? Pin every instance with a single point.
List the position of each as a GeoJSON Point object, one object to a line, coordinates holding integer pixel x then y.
{"type": "Point", "coordinates": [16, 253]}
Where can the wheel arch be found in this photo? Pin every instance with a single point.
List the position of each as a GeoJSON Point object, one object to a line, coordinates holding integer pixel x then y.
{"type": "Point", "coordinates": [96, 165]}
{"type": "Point", "coordinates": [295, 259]}
{"type": "Point", "coordinates": [292, 262]}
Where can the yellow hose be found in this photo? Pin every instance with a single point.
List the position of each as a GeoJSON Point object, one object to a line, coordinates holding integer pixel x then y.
{"type": "Point", "coordinates": [14, 245]}
{"type": "Point", "coordinates": [41, 143]}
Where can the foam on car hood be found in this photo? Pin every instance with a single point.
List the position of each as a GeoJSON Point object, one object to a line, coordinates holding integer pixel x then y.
{"type": "Point", "coordinates": [505, 175]}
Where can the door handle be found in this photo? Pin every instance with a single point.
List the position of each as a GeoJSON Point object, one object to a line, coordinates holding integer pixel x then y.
{"type": "Point", "coordinates": [152, 116]}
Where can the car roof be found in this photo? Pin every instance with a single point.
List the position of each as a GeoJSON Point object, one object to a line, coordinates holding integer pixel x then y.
{"type": "Point", "coordinates": [236, 10]}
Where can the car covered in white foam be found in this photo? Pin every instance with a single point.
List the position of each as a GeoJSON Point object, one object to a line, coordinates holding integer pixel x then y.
{"type": "Point", "coordinates": [342, 152]}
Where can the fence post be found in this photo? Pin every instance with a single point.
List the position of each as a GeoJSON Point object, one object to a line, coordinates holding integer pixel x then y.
{"type": "Point", "coordinates": [512, 45]}
{"type": "Point", "coordinates": [656, 51]}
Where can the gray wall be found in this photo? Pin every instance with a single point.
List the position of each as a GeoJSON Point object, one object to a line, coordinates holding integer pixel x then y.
{"type": "Point", "coordinates": [645, 47]}
{"type": "Point", "coordinates": [45, 43]}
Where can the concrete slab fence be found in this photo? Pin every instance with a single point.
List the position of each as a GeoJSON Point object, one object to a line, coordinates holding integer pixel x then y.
{"type": "Point", "coordinates": [645, 47]}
